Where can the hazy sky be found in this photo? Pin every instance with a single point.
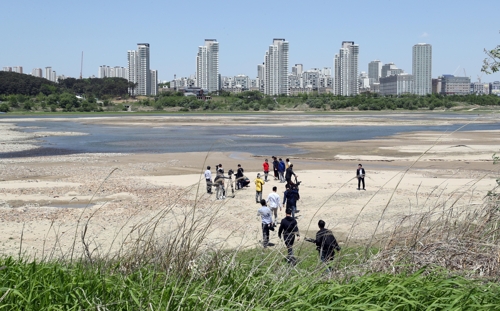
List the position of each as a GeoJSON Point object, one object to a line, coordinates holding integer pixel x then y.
{"type": "Point", "coordinates": [55, 32]}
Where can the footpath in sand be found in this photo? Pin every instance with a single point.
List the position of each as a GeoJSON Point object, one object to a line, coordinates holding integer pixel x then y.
{"type": "Point", "coordinates": [47, 200]}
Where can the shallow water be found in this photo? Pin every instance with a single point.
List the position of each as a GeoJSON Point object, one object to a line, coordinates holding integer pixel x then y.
{"type": "Point", "coordinates": [257, 140]}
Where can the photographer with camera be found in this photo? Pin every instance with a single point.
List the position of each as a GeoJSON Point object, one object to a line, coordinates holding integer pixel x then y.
{"type": "Point", "coordinates": [326, 244]}
{"type": "Point", "coordinates": [289, 174]}
{"type": "Point", "coordinates": [220, 191]}
{"type": "Point", "coordinates": [241, 180]}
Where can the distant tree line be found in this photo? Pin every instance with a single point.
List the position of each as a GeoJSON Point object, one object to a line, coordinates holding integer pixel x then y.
{"type": "Point", "coordinates": [13, 83]}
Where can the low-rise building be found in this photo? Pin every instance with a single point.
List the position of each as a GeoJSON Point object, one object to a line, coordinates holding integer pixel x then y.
{"type": "Point", "coordinates": [451, 85]}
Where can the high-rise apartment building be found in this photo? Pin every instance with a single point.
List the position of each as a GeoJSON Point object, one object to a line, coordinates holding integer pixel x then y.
{"type": "Point", "coordinates": [276, 68]}
{"type": "Point", "coordinates": [154, 82]}
{"type": "Point", "coordinates": [346, 70]}
{"type": "Point", "coordinates": [50, 74]}
{"type": "Point", "coordinates": [422, 68]}
{"type": "Point", "coordinates": [261, 76]}
{"type": "Point", "coordinates": [37, 72]}
{"type": "Point", "coordinates": [374, 71]}
{"type": "Point", "coordinates": [139, 71]}
{"type": "Point", "coordinates": [297, 69]}
{"type": "Point", "coordinates": [9, 69]}
{"type": "Point", "coordinates": [390, 69]}
{"type": "Point", "coordinates": [18, 69]}
{"type": "Point", "coordinates": [207, 66]}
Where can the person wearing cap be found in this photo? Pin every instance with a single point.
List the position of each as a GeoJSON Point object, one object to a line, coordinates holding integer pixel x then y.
{"type": "Point", "coordinates": [265, 166]}
{"type": "Point", "coordinates": [275, 167]}
{"type": "Point", "coordinates": [289, 228]}
{"type": "Point", "coordinates": [273, 201]}
{"type": "Point", "coordinates": [259, 183]}
{"type": "Point", "coordinates": [208, 178]}
{"type": "Point", "coordinates": [267, 222]}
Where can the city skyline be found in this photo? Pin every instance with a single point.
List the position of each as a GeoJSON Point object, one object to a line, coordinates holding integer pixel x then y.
{"type": "Point", "coordinates": [450, 27]}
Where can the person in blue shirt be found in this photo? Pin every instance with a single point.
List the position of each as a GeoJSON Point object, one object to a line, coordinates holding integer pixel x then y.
{"type": "Point", "coordinates": [281, 170]}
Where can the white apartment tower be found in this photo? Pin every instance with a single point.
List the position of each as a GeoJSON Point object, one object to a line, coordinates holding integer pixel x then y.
{"type": "Point", "coordinates": [276, 68]}
{"type": "Point", "coordinates": [138, 69]}
{"type": "Point", "coordinates": [346, 70]}
{"type": "Point", "coordinates": [422, 68]}
{"type": "Point", "coordinates": [374, 71]}
{"type": "Point", "coordinates": [154, 82]}
{"type": "Point", "coordinates": [207, 66]}
{"type": "Point", "coordinates": [37, 72]}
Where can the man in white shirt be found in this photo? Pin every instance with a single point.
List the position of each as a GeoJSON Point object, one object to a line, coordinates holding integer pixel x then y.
{"type": "Point", "coordinates": [267, 222]}
{"type": "Point", "coordinates": [273, 202]}
{"type": "Point", "coordinates": [208, 178]}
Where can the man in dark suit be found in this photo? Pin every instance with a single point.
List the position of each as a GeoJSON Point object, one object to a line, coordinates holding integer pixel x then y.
{"type": "Point", "coordinates": [360, 174]}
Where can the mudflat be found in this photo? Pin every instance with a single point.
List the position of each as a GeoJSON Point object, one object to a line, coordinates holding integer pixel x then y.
{"type": "Point", "coordinates": [46, 201]}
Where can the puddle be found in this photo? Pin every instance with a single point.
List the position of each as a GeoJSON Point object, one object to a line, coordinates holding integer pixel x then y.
{"type": "Point", "coordinates": [69, 205]}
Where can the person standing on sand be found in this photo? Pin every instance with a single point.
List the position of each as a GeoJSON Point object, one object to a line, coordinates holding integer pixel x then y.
{"type": "Point", "coordinates": [267, 222]}
{"type": "Point", "coordinates": [290, 198]}
{"type": "Point", "coordinates": [265, 166]}
{"type": "Point", "coordinates": [326, 244]}
{"type": "Point", "coordinates": [273, 201]}
{"type": "Point", "coordinates": [288, 175]}
{"type": "Point", "coordinates": [208, 178]}
{"type": "Point", "coordinates": [360, 174]}
{"type": "Point", "coordinates": [287, 161]}
{"type": "Point", "coordinates": [239, 177]}
{"type": "Point", "coordinates": [275, 167]}
{"type": "Point", "coordinates": [289, 228]}
{"type": "Point", "coordinates": [259, 186]}
{"type": "Point", "coordinates": [281, 170]}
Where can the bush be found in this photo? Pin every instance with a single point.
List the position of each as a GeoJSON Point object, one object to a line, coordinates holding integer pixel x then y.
{"type": "Point", "coordinates": [4, 108]}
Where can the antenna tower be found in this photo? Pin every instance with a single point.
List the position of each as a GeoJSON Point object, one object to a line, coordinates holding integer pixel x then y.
{"type": "Point", "coordinates": [81, 66]}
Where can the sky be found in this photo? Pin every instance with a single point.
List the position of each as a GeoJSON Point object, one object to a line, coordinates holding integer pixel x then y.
{"type": "Point", "coordinates": [37, 34]}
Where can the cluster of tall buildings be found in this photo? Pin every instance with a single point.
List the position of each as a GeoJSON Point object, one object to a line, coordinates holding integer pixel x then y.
{"type": "Point", "coordinates": [48, 74]}
{"type": "Point", "coordinates": [145, 80]}
{"type": "Point", "coordinates": [274, 78]}
{"type": "Point", "coordinates": [112, 72]}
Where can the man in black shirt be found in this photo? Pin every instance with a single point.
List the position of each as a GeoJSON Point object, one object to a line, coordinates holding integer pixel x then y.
{"type": "Point", "coordinates": [239, 177]}
{"type": "Point", "coordinates": [275, 167]}
{"type": "Point", "coordinates": [288, 175]}
{"type": "Point", "coordinates": [290, 198]}
{"type": "Point", "coordinates": [360, 173]}
{"type": "Point", "coordinates": [289, 228]}
{"type": "Point", "coordinates": [326, 244]}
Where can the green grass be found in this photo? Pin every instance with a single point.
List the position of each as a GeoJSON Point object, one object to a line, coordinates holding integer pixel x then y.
{"type": "Point", "coordinates": [251, 280]}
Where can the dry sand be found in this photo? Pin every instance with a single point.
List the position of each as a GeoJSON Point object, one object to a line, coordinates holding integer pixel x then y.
{"type": "Point", "coordinates": [46, 200]}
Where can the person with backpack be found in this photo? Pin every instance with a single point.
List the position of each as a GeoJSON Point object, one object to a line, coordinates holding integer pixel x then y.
{"type": "Point", "coordinates": [326, 244]}
{"type": "Point", "coordinates": [289, 228]}
{"type": "Point", "coordinates": [267, 222]}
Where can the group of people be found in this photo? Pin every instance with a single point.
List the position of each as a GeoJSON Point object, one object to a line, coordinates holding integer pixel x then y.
{"type": "Point", "coordinates": [325, 241]}
{"type": "Point", "coordinates": [220, 186]}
